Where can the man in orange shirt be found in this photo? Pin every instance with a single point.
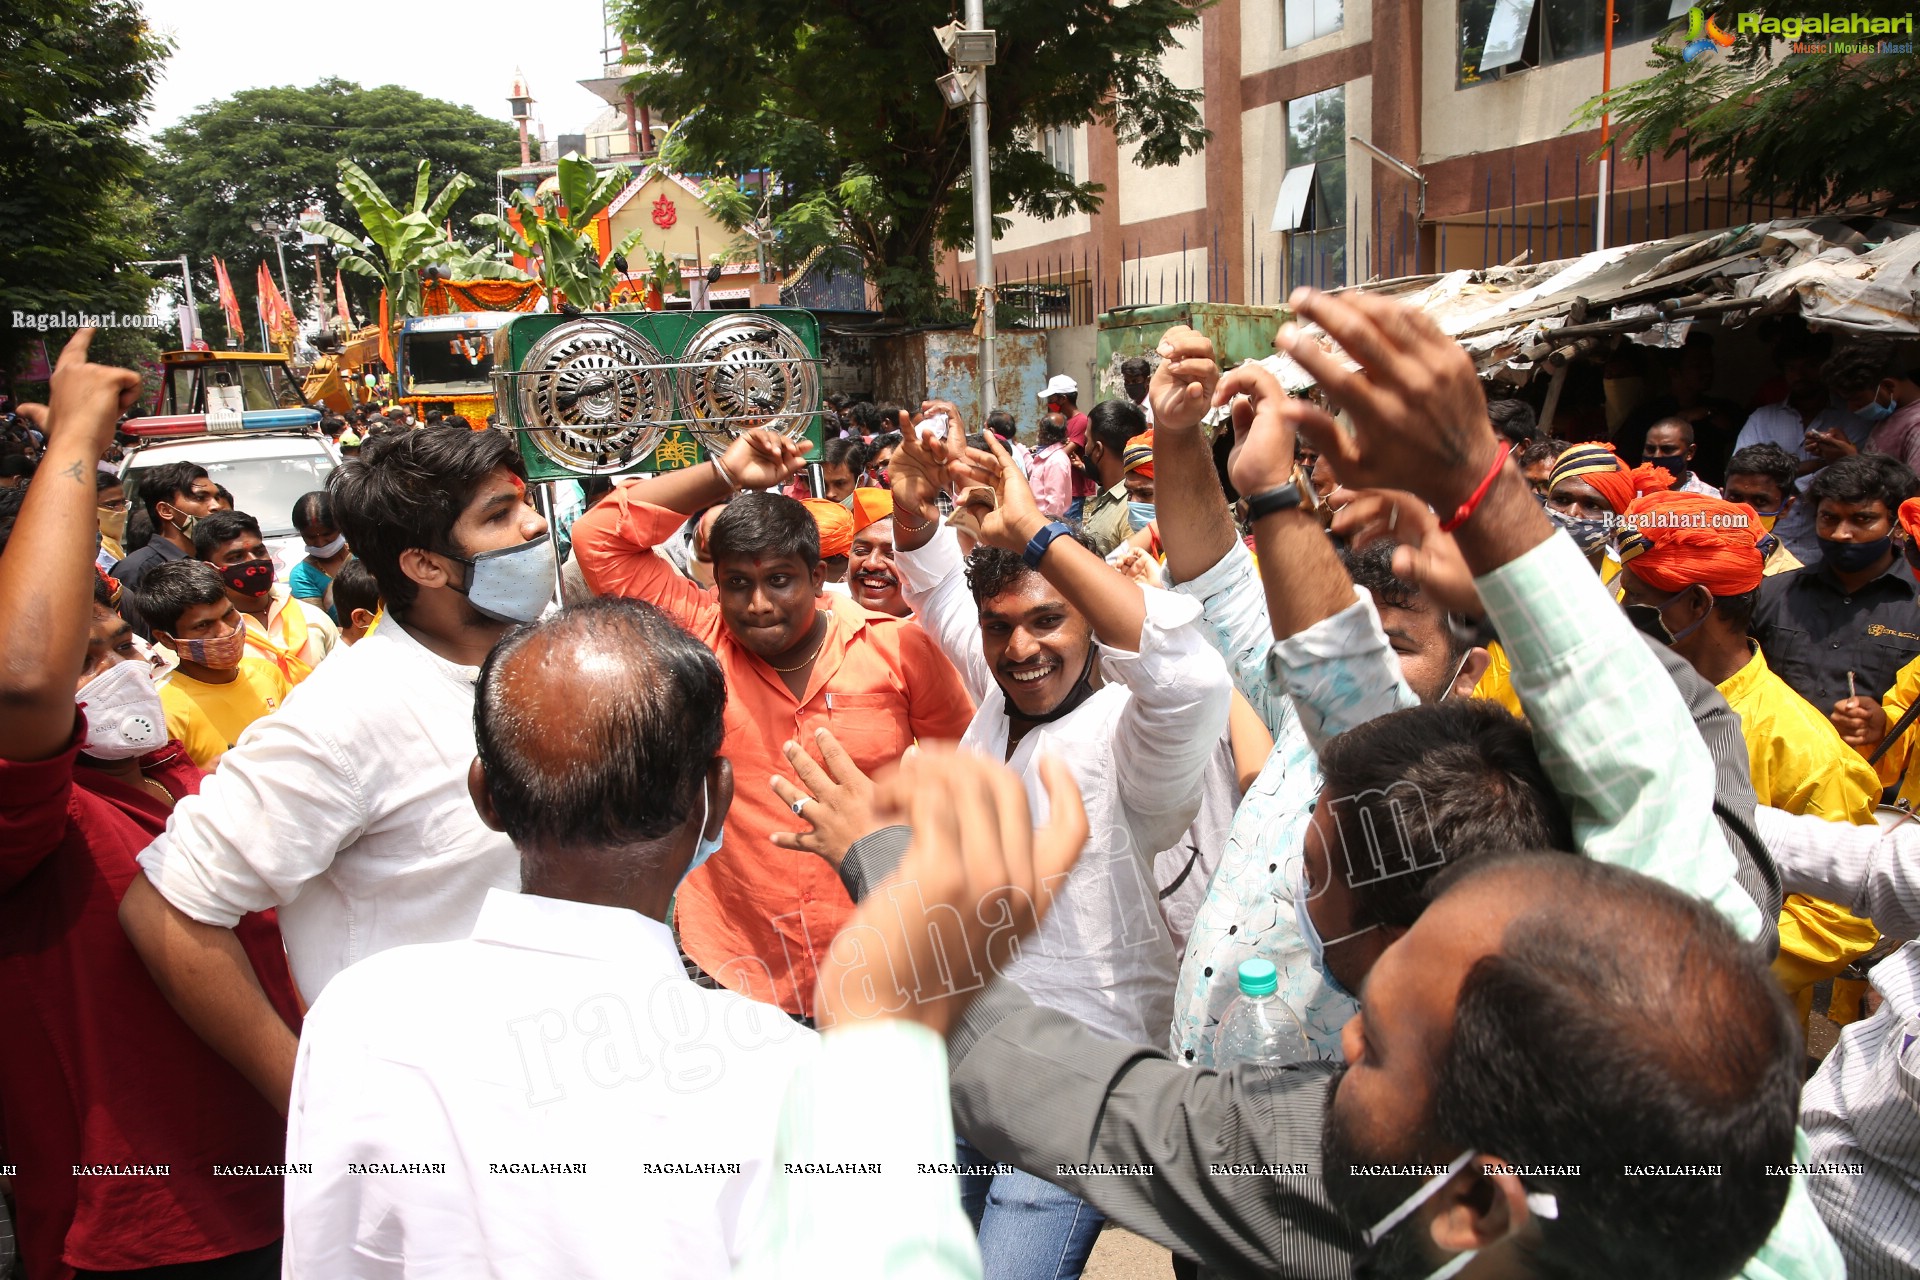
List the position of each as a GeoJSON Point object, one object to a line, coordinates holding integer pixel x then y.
{"type": "Point", "coordinates": [755, 916]}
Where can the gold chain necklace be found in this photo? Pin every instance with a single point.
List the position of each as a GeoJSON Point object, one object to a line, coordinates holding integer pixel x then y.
{"type": "Point", "coordinates": [153, 786]}
{"type": "Point", "coordinates": [809, 658]}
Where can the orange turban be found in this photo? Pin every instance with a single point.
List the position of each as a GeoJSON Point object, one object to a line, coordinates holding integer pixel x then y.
{"type": "Point", "coordinates": [1910, 518]}
{"type": "Point", "coordinates": [1139, 454]}
{"type": "Point", "coordinates": [836, 526]}
{"type": "Point", "coordinates": [870, 506]}
{"type": "Point", "coordinates": [1674, 541]}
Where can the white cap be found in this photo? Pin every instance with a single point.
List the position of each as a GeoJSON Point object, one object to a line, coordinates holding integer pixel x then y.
{"type": "Point", "coordinates": [1060, 385]}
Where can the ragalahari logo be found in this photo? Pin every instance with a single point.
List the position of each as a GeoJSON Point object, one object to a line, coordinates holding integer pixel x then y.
{"type": "Point", "coordinates": [1703, 34]}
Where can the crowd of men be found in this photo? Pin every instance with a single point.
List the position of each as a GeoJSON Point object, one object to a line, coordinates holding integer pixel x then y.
{"type": "Point", "coordinates": [853, 882]}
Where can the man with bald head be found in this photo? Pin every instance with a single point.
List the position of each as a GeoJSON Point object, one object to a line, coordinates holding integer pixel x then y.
{"type": "Point", "coordinates": [553, 1094]}
{"type": "Point", "coordinates": [1670, 445]}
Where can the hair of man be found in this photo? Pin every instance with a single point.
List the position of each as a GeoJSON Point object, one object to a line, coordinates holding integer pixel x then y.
{"type": "Point", "coordinates": [406, 491]}
{"type": "Point", "coordinates": [649, 703]}
{"type": "Point", "coordinates": [168, 590]}
{"type": "Point", "coordinates": [1582, 984]}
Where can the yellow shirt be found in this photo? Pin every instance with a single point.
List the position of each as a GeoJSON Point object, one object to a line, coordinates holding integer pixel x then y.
{"type": "Point", "coordinates": [1906, 689]}
{"type": "Point", "coordinates": [1496, 682]}
{"type": "Point", "coordinates": [209, 718]}
{"type": "Point", "coordinates": [1801, 764]}
{"type": "Point", "coordinates": [1780, 560]}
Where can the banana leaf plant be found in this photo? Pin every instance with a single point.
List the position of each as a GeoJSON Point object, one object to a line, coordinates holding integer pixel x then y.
{"type": "Point", "coordinates": [556, 232]}
{"type": "Point", "coordinates": [399, 243]}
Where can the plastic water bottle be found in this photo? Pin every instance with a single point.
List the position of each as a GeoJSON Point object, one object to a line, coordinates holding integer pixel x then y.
{"type": "Point", "coordinates": [1258, 1026]}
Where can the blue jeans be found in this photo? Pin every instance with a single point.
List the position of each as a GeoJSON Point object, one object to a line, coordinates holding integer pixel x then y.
{"type": "Point", "coordinates": [1029, 1229]}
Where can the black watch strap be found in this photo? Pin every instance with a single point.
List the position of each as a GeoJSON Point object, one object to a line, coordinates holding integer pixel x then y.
{"type": "Point", "coordinates": [1272, 501]}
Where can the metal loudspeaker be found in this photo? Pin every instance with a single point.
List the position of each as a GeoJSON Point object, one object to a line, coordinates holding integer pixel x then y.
{"type": "Point", "coordinates": [616, 392]}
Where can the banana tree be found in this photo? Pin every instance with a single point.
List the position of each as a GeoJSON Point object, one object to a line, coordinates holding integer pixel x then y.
{"type": "Point", "coordinates": [399, 243]}
{"type": "Point", "coordinates": [556, 232]}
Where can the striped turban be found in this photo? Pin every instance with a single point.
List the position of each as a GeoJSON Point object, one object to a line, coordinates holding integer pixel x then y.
{"type": "Point", "coordinates": [1139, 454]}
{"type": "Point", "coordinates": [1598, 466]}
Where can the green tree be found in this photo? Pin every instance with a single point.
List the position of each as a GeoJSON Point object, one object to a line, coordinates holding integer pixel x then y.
{"type": "Point", "coordinates": [400, 243]}
{"type": "Point", "coordinates": [1821, 130]}
{"type": "Point", "coordinates": [557, 231]}
{"type": "Point", "coordinates": [271, 153]}
{"type": "Point", "coordinates": [837, 101]}
{"type": "Point", "coordinates": [75, 76]}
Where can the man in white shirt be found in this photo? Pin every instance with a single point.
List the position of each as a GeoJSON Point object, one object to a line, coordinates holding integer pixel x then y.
{"type": "Point", "coordinates": [1807, 414]}
{"type": "Point", "coordinates": [348, 810]}
{"type": "Point", "coordinates": [1064, 655]}
{"type": "Point", "coordinates": [1861, 1110]}
{"type": "Point", "coordinates": [553, 1095]}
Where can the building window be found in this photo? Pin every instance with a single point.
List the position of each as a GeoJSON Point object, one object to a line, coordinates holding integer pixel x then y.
{"type": "Point", "coordinates": [1500, 36]}
{"type": "Point", "coordinates": [1057, 146]}
{"type": "Point", "coordinates": [1312, 211]}
{"type": "Point", "coordinates": [1306, 20]}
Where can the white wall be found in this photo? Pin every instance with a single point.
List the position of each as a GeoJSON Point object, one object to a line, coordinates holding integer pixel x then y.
{"type": "Point", "coordinates": [1165, 278]}
{"type": "Point", "coordinates": [1178, 188]}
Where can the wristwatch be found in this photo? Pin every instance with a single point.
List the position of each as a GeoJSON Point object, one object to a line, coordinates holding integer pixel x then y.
{"type": "Point", "coordinates": [1296, 492]}
{"type": "Point", "coordinates": [1037, 547]}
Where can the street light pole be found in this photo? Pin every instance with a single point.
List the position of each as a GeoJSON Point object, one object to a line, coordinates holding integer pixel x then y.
{"type": "Point", "coordinates": [983, 223]}
{"type": "Point", "coordinates": [190, 327]}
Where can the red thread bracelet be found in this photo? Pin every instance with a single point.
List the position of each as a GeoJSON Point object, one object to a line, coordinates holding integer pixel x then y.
{"type": "Point", "coordinates": [1472, 504]}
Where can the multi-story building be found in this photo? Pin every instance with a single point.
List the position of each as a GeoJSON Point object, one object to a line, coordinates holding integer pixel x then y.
{"type": "Point", "coordinates": [1478, 96]}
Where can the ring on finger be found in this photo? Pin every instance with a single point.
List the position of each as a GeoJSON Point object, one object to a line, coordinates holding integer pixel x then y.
{"type": "Point", "coordinates": [800, 804]}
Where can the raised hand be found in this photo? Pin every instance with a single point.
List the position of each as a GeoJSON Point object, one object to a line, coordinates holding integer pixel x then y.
{"type": "Point", "coordinates": [834, 796]}
{"type": "Point", "coordinates": [762, 458]}
{"type": "Point", "coordinates": [919, 472]}
{"type": "Point", "coordinates": [1419, 417]}
{"type": "Point", "coordinates": [1264, 422]}
{"type": "Point", "coordinates": [975, 859]}
{"type": "Point", "coordinates": [1015, 517]}
{"type": "Point", "coordinates": [88, 400]}
{"type": "Point", "coordinates": [1426, 557]}
{"type": "Point", "coordinates": [1182, 388]}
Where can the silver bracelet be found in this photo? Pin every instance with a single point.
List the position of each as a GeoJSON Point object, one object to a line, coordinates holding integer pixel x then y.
{"type": "Point", "coordinates": [724, 477]}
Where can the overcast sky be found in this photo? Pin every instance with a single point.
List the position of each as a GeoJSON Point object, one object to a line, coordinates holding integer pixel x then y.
{"type": "Point", "coordinates": [464, 51]}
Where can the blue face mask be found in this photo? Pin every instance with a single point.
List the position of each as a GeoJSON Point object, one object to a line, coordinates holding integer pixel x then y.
{"type": "Point", "coordinates": [706, 848]}
{"type": "Point", "coordinates": [701, 852]}
{"type": "Point", "coordinates": [1310, 933]}
{"type": "Point", "coordinates": [1139, 515]}
{"type": "Point", "coordinates": [1874, 412]}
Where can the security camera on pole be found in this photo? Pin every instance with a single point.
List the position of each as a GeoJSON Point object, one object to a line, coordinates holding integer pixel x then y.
{"type": "Point", "coordinates": [971, 50]}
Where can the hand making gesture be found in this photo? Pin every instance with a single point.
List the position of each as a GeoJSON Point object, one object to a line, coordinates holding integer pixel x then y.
{"type": "Point", "coordinates": [975, 852]}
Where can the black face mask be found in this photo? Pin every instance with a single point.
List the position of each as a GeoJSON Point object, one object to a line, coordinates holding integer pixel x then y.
{"type": "Point", "coordinates": [1675, 467]}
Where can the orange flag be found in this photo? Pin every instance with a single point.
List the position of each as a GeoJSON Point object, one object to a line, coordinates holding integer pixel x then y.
{"type": "Point", "coordinates": [229, 304]}
{"type": "Point", "coordinates": [340, 300]}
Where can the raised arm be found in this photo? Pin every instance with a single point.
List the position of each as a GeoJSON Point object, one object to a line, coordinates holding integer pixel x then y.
{"type": "Point", "coordinates": [46, 577]}
{"type": "Point", "coordinates": [1611, 730]}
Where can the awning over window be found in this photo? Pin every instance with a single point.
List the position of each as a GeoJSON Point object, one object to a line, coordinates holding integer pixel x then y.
{"type": "Point", "coordinates": [1506, 33]}
{"type": "Point", "coordinates": [1294, 211]}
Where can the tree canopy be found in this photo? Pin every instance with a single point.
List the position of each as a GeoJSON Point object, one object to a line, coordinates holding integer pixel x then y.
{"type": "Point", "coordinates": [829, 108]}
{"type": "Point", "coordinates": [271, 153]}
{"type": "Point", "coordinates": [1818, 129]}
{"type": "Point", "coordinates": [77, 75]}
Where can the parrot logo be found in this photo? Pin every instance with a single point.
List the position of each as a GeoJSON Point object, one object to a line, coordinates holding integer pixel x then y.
{"type": "Point", "coordinates": [1703, 34]}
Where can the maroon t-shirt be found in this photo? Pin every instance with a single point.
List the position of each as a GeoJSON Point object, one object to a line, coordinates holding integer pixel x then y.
{"type": "Point", "coordinates": [97, 1070]}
